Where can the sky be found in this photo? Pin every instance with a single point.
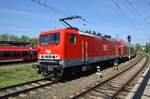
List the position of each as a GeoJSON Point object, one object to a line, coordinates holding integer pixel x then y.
{"type": "Point", "coordinates": [118, 19]}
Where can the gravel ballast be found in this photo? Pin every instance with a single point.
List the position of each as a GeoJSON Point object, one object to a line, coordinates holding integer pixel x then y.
{"type": "Point", "coordinates": [64, 90]}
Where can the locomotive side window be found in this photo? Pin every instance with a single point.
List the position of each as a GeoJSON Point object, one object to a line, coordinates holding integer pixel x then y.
{"type": "Point", "coordinates": [6, 54]}
{"type": "Point", "coordinates": [1, 54]}
{"type": "Point", "coordinates": [72, 39]}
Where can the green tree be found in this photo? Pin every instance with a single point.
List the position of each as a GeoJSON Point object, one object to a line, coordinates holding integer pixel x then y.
{"type": "Point", "coordinates": [24, 38]}
{"type": "Point", "coordinates": [147, 50]}
{"type": "Point", "coordinates": [4, 37]}
{"type": "Point", "coordinates": [33, 41]}
{"type": "Point", "coordinates": [14, 38]}
{"type": "Point", "coordinates": [138, 47]}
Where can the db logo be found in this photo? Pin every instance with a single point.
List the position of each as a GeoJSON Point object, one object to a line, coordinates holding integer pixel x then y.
{"type": "Point", "coordinates": [47, 51]}
{"type": "Point", "coordinates": [105, 47]}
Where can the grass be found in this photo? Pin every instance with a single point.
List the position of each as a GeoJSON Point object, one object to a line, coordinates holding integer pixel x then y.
{"type": "Point", "coordinates": [11, 75]}
{"type": "Point", "coordinates": [146, 54]}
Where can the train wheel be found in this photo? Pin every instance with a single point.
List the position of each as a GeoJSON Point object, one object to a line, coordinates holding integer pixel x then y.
{"type": "Point", "coordinates": [46, 75]}
{"type": "Point", "coordinates": [57, 75]}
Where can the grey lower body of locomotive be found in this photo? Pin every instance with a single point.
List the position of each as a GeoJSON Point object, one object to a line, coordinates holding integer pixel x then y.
{"type": "Point", "coordinates": [55, 68]}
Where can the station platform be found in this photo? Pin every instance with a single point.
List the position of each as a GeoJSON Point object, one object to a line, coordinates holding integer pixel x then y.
{"type": "Point", "coordinates": [142, 89]}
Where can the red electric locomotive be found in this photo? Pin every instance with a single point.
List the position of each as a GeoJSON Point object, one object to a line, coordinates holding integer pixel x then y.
{"type": "Point", "coordinates": [14, 51]}
{"type": "Point", "coordinates": [70, 49]}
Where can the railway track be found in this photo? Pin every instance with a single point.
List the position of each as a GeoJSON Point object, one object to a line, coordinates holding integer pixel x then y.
{"type": "Point", "coordinates": [26, 88]}
{"type": "Point", "coordinates": [111, 87]}
{"type": "Point", "coordinates": [23, 88]}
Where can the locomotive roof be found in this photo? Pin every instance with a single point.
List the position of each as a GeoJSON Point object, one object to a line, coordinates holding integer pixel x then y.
{"type": "Point", "coordinates": [125, 43]}
{"type": "Point", "coordinates": [97, 35]}
{"type": "Point", "coordinates": [59, 30]}
{"type": "Point", "coordinates": [74, 30]}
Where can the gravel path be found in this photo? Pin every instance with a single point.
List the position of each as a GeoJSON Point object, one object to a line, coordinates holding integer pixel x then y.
{"type": "Point", "coordinates": [64, 90]}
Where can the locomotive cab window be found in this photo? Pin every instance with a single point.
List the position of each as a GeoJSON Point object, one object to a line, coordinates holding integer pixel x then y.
{"type": "Point", "coordinates": [52, 38]}
{"type": "Point", "coordinates": [44, 39]}
{"type": "Point", "coordinates": [72, 39]}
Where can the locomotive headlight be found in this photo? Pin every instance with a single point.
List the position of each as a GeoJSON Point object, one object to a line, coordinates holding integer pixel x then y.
{"type": "Point", "coordinates": [57, 57]}
{"type": "Point", "coordinates": [39, 56]}
{"type": "Point", "coordinates": [54, 56]}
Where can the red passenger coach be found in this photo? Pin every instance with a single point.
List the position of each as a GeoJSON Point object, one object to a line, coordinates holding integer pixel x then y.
{"type": "Point", "coordinates": [13, 51]}
{"type": "Point", "coordinates": [123, 48]}
{"type": "Point", "coordinates": [126, 50]}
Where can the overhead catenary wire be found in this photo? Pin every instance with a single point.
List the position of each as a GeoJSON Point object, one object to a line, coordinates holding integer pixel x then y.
{"type": "Point", "coordinates": [134, 8]}
{"type": "Point", "coordinates": [142, 5]}
{"type": "Point", "coordinates": [125, 15]}
{"type": "Point", "coordinates": [43, 3]}
{"type": "Point", "coordinates": [130, 10]}
{"type": "Point", "coordinates": [49, 7]}
{"type": "Point", "coordinates": [82, 5]}
{"type": "Point", "coordinates": [71, 12]}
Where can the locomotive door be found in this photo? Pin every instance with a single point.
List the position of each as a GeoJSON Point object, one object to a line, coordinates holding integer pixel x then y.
{"type": "Point", "coordinates": [117, 50]}
{"type": "Point", "coordinates": [84, 45]}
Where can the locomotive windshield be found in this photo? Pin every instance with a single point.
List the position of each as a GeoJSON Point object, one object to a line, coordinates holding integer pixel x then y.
{"type": "Point", "coordinates": [53, 38]}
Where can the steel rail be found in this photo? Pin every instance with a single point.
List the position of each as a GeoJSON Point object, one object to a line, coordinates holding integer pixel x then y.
{"type": "Point", "coordinates": [88, 89]}
{"type": "Point", "coordinates": [21, 84]}
{"type": "Point", "coordinates": [121, 88]}
{"type": "Point", "coordinates": [15, 93]}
